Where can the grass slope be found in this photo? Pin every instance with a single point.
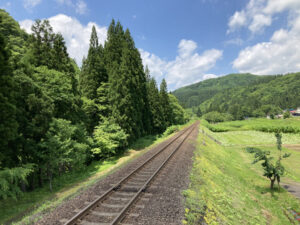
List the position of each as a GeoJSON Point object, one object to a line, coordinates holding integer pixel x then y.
{"type": "Point", "coordinates": [226, 188]}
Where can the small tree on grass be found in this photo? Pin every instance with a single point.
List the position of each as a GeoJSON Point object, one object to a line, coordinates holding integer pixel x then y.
{"type": "Point", "coordinates": [272, 170]}
{"type": "Point", "coordinates": [286, 115]}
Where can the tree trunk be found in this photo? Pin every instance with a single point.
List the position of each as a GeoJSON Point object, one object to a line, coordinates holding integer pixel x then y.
{"type": "Point", "coordinates": [50, 181]}
{"type": "Point", "coordinates": [40, 177]}
{"type": "Point", "coordinates": [23, 186]}
{"type": "Point", "coordinates": [272, 183]}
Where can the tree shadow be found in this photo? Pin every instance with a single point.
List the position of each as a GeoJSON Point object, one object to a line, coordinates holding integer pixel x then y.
{"type": "Point", "coordinates": [267, 190]}
{"type": "Point", "coordinates": [143, 142]}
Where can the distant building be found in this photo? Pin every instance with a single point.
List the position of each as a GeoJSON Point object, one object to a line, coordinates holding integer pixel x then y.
{"type": "Point", "coordinates": [295, 112]}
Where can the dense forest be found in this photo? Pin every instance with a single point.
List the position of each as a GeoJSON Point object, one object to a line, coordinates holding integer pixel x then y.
{"type": "Point", "coordinates": [242, 95]}
{"type": "Point", "coordinates": [57, 117]}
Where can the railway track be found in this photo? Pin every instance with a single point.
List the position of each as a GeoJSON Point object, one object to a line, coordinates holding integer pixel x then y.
{"type": "Point", "coordinates": [113, 206]}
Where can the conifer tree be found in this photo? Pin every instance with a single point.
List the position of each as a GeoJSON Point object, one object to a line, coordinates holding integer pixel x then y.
{"type": "Point", "coordinates": [165, 103]}
{"type": "Point", "coordinates": [156, 111]}
{"type": "Point", "coordinates": [8, 123]}
{"type": "Point", "coordinates": [93, 71]}
{"type": "Point", "coordinates": [113, 46]}
{"type": "Point", "coordinates": [93, 75]}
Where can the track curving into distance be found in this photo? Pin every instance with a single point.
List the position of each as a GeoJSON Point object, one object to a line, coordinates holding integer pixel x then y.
{"type": "Point", "coordinates": [111, 207]}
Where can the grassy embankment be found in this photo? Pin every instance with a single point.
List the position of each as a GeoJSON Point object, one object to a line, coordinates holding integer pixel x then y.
{"type": "Point", "coordinates": [227, 189]}
{"type": "Point", "coordinates": [69, 185]}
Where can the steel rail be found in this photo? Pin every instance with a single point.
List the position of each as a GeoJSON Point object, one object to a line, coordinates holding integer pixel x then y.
{"type": "Point", "coordinates": [101, 198]}
{"type": "Point", "coordinates": [122, 214]}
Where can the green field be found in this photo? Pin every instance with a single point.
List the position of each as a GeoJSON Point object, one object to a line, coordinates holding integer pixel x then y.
{"type": "Point", "coordinates": [226, 188]}
{"type": "Point", "coordinates": [291, 125]}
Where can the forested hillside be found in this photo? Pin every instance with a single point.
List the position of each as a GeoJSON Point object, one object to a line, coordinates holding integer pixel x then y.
{"type": "Point", "coordinates": [56, 117]}
{"type": "Point", "coordinates": [243, 95]}
{"type": "Point", "coordinates": [259, 99]}
{"type": "Point", "coordinates": [195, 94]}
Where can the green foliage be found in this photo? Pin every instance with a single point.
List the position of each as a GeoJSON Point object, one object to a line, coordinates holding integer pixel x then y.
{"type": "Point", "coordinates": [53, 113]}
{"type": "Point", "coordinates": [58, 86]}
{"type": "Point", "coordinates": [286, 115]}
{"type": "Point", "coordinates": [8, 123]}
{"type": "Point", "coordinates": [109, 138]}
{"type": "Point", "coordinates": [291, 125]}
{"type": "Point", "coordinates": [177, 114]}
{"type": "Point", "coordinates": [10, 180]}
{"type": "Point", "coordinates": [196, 94]}
{"type": "Point", "coordinates": [216, 117]}
{"type": "Point", "coordinates": [272, 170]}
{"type": "Point", "coordinates": [165, 102]}
{"type": "Point", "coordinates": [170, 130]}
{"type": "Point", "coordinates": [243, 95]}
{"type": "Point", "coordinates": [156, 112]}
{"type": "Point", "coordinates": [65, 147]}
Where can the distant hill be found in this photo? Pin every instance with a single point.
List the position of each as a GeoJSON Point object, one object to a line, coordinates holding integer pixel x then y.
{"type": "Point", "coordinates": [243, 95]}
{"type": "Point", "coordinates": [195, 94]}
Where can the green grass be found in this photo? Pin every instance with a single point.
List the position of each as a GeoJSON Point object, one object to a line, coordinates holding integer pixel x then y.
{"type": "Point", "coordinates": [226, 188]}
{"type": "Point", "coordinates": [266, 141]}
{"type": "Point", "coordinates": [291, 125]}
{"type": "Point", "coordinates": [69, 185]}
{"type": "Point", "coordinates": [245, 138]}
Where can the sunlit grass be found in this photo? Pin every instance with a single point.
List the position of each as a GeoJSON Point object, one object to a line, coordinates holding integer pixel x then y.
{"type": "Point", "coordinates": [227, 189]}
{"type": "Point", "coordinates": [291, 125]}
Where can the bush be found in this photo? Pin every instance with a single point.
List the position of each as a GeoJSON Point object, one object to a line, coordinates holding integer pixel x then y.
{"type": "Point", "coordinates": [216, 117]}
{"type": "Point", "coordinates": [108, 137]}
{"type": "Point", "coordinates": [286, 115]}
{"type": "Point", "coordinates": [170, 130]}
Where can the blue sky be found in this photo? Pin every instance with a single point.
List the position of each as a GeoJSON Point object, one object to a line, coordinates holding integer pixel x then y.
{"type": "Point", "coordinates": [184, 41]}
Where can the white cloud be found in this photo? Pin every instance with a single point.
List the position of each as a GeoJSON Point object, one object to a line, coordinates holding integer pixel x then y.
{"type": "Point", "coordinates": [236, 21]}
{"type": "Point", "coordinates": [29, 4]}
{"type": "Point", "coordinates": [188, 67]}
{"type": "Point", "coordinates": [280, 54]}
{"type": "Point", "coordinates": [235, 41]}
{"type": "Point", "coordinates": [80, 6]}
{"type": "Point", "coordinates": [186, 48]}
{"type": "Point", "coordinates": [209, 76]}
{"type": "Point", "coordinates": [259, 22]}
{"type": "Point", "coordinates": [259, 14]}
{"type": "Point", "coordinates": [76, 35]}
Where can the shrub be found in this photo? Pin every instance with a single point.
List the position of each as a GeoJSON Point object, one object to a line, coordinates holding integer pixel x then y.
{"type": "Point", "coordinates": [170, 130]}
{"type": "Point", "coordinates": [286, 115]}
{"type": "Point", "coordinates": [216, 117]}
{"type": "Point", "coordinates": [108, 137]}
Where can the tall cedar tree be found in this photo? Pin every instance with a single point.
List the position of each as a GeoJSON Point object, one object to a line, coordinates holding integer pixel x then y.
{"type": "Point", "coordinates": [93, 72]}
{"type": "Point", "coordinates": [165, 103]}
{"type": "Point", "coordinates": [93, 76]}
{"type": "Point", "coordinates": [156, 111]}
{"type": "Point", "coordinates": [8, 123]}
{"type": "Point", "coordinates": [127, 93]}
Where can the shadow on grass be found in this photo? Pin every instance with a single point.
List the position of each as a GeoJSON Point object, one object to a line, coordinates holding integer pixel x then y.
{"type": "Point", "coordinates": [267, 190]}
{"type": "Point", "coordinates": [143, 142]}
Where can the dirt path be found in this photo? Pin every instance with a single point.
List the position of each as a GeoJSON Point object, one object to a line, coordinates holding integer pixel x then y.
{"type": "Point", "coordinates": [293, 188]}
{"type": "Point", "coordinates": [165, 205]}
